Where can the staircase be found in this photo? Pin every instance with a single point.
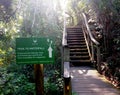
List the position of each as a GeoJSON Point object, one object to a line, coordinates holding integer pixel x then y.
{"type": "Point", "coordinates": [79, 77]}
{"type": "Point", "coordinates": [79, 49]}
{"type": "Point", "coordinates": [79, 55]}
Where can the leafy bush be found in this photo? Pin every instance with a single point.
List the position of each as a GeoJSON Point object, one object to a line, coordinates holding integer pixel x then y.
{"type": "Point", "coordinates": [53, 83]}
{"type": "Point", "coordinates": [13, 82]}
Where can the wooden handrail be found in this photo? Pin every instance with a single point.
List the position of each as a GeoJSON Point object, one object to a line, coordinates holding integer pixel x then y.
{"type": "Point", "coordinates": [92, 41]}
{"type": "Point", "coordinates": [88, 29]}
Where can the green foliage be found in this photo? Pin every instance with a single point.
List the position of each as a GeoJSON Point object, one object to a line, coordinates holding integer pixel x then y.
{"type": "Point", "coordinates": [13, 82]}
{"type": "Point", "coordinates": [52, 88]}
{"type": "Point", "coordinates": [53, 85]}
{"type": "Point", "coordinates": [53, 82]}
{"type": "Point", "coordinates": [74, 9]}
{"type": "Point", "coordinates": [18, 79]}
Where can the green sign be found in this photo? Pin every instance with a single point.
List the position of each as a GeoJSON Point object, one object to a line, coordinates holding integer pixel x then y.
{"type": "Point", "coordinates": [34, 50]}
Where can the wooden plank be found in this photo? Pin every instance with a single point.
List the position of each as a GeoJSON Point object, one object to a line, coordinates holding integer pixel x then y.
{"type": "Point", "coordinates": [87, 81]}
{"type": "Point", "coordinates": [96, 93]}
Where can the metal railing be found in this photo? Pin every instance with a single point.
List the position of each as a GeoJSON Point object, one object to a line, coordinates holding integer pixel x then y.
{"type": "Point", "coordinates": [92, 43]}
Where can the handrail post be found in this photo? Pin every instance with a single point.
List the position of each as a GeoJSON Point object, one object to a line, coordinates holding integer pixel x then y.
{"type": "Point", "coordinates": [92, 49]}
{"type": "Point", "coordinates": [98, 59]}
{"type": "Point", "coordinates": [66, 70]}
{"type": "Point", "coordinates": [67, 79]}
{"type": "Point", "coordinates": [67, 86]}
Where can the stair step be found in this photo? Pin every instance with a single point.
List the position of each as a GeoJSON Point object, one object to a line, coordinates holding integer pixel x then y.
{"type": "Point", "coordinates": [82, 38]}
{"type": "Point", "coordinates": [72, 40]}
{"type": "Point", "coordinates": [74, 32]}
{"type": "Point", "coordinates": [79, 57]}
{"type": "Point", "coordinates": [77, 43]}
{"type": "Point", "coordinates": [74, 29]}
{"type": "Point", "coordinates": [75, 38]}
{"type": "Point", "coordinates": [80, 61]}
{"type": "Point", "coordinates": [77, 46]}
{"type": "Point", "coordinates": [79, 53]}
{"type": "Point", "coordinates": [79, 49]}
{"type": "Point", "coordinates": [70, 37]}
{"type": "Point", "coordinates": [80, 32]}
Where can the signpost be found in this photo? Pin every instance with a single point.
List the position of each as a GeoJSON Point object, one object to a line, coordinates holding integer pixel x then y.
{"type": "Point", "coordinates": [37, 51]}
{"type": "Point", "coordinates": [39, 79]}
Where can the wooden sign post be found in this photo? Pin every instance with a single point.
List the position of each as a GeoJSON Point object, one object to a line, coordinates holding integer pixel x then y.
{"type": "Point", "coordinates": [39, 79]}
{"type": "Point", "coordinates": [35, 51]}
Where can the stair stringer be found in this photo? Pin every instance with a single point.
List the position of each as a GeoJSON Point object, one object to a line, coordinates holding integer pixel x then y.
{"type": "Point", "coordinates": [87, 44]}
